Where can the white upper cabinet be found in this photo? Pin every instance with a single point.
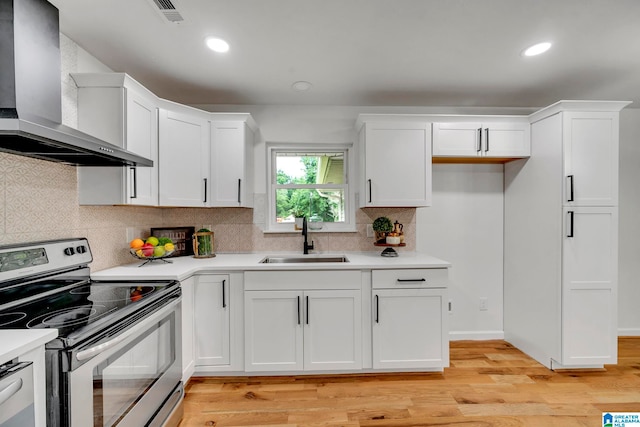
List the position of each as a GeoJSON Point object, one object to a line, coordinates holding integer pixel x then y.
{"type": "Point", "coordinates": [232, 161]}
{"type": "Point", "coordinates": [477, 139]}
{"type": "Point", "coordinates": [395, 163]}
{"type": "Point", "coordinates": [184, 158]}
{"type": "Point", "coordinates": [591, 158]}
{"type": "Point", "coordinates": [117, 109]}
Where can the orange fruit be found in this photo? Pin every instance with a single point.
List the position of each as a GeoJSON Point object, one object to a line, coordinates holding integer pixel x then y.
{"type": "Point", "coordinates": [136, 243]}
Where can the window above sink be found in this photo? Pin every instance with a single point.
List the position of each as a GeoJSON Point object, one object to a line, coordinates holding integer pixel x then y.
{"type": "Point", "coordinates": [312, 181]}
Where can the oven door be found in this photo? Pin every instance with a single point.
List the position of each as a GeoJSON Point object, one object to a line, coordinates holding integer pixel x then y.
{"type": "Point", "coordinates": [130, 375]}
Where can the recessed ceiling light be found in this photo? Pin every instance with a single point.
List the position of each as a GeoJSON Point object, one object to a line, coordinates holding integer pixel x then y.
{"type": "Point", "coordinates": [537, 49]}
{"type": "Point", "coordinates": [301, 86]}
{"type": "Point", "coordinates": [217, 44]}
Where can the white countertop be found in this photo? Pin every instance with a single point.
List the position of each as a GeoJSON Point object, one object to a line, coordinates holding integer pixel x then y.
{"type": "Point", "coordinates": [184, 267]}
{"type": "Point", "coordinates": [15, 342]}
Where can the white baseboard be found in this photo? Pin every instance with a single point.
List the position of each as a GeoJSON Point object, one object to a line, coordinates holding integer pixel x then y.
{"type": "Point", "coordinates": [629, 332]}
{"type": "Point", "coordinates": [475, 335]}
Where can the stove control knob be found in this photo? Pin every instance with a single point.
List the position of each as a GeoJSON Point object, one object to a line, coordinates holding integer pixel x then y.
{"type": "Point", "coordinates": [81, 249]}
{"type": "Point", "coordinates": [69, 251]}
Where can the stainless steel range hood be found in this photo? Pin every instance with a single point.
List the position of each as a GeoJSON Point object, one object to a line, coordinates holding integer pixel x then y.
{"type": "Point", "coordinates": [31, 96]}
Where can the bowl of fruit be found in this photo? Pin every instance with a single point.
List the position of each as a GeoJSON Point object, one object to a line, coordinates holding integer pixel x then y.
{"type": "Point", "coordinates": [153, 248]}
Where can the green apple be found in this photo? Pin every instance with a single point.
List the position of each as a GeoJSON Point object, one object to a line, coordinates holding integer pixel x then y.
{"type": "Point", "coordinates": [158, 251]}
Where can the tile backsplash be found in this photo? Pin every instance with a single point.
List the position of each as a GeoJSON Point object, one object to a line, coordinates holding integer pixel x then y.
{"type": "Point", "coordinates": [39, 201]}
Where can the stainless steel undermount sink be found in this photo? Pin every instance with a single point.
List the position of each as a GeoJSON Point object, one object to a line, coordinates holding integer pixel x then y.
{"type": "Point", "coordinates": [302, 259]}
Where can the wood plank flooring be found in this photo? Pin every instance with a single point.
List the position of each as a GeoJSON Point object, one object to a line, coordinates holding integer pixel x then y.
{"type": "Point", "coordinates": [489, 383]}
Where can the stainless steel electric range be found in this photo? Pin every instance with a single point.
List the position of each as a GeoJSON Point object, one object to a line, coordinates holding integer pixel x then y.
{"type": "Point", "coordinates": [117, 358]}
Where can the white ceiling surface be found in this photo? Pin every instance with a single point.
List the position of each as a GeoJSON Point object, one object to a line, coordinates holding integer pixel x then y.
{"type": "Point", "coordinates": [369, 52]}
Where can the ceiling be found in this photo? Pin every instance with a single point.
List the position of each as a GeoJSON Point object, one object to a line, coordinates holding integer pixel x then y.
{"type": "Point", "coordinates": [368, 52]}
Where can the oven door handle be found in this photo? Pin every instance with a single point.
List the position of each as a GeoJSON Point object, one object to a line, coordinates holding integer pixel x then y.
{"type": "Point", "coordinates": [100, 348]}
{"type": "Point", "coordinates": [10, 391]}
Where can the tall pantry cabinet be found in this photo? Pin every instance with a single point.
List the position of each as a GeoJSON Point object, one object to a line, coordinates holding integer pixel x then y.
{"type": "Point", "coordinates": [561, 237]}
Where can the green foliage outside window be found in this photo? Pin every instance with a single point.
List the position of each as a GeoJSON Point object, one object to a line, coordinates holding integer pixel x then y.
{"type": "Point", "coordinates": [298, 202]}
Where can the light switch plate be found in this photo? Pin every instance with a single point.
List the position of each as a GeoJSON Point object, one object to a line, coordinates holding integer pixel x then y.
{"type": "Point", "coordinates": [369, 230]}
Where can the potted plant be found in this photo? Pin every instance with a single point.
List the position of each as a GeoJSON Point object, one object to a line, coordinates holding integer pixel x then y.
{"type": "Point", "coordinates": [298, 213]}
{"type": "Point", "coordinates": [382, 226]}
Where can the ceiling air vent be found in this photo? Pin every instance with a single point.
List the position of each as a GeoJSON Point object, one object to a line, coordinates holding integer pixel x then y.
{"type": "Point", "coordinates": [168, 10]}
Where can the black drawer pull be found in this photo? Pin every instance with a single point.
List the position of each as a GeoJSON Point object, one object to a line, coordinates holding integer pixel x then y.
{"type": "Point", "coordinates": [411, 280]}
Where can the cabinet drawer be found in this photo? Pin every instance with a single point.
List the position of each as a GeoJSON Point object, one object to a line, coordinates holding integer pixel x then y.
{"type": "Point", "coordinates": [302, 280]}
{"type": "Point", "coordinates": [410, 278]}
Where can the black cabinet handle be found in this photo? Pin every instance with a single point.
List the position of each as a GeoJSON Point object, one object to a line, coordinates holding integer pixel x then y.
{"type": "Point", "coordinates": [205, 190]}
{"type": "Point", "coordinates": [369, 181]}
{"type": "Point", "coordinates": [377, 309]}
{"type": "Point", "coordinates": [135, 183]}
{"type": "Point", "coordinates": [570, 178]}
{"type": "Point", "coordinates": [411, 280]}
{"type": "Point", "coordinates": [570, 233]}
{"type": "Point", "coordinates": [486, 142]}
{"type": "Point", "coordinates": [239, 186]}
{"type": "Point", "coordinates": [479, 146]}
{"type": "Point", "coordinates": [224, 302]}
{"type": "Point", "coordinates": [307, 309]}
{"type": "Point", "coordinates": [298, 297]}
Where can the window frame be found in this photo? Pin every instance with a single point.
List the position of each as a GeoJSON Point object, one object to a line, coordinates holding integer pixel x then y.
{"type": "Point", "coordinates": [349, 223]}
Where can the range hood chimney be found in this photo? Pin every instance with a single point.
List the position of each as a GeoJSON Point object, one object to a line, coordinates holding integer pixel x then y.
{"type": "Point", "coordinates": [31, 97]}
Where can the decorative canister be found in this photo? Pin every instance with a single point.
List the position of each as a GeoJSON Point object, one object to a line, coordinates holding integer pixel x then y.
{"type": "Point", "coordinates": [203, 244]}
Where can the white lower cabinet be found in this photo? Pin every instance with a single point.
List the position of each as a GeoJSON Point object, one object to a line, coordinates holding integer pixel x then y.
{"type": "Point", "coordinates": [212, 316]}
{"type": "Point", "coordinates": [409, 319]}
{"type": "Point", "coordinates": [407, 329]}
{"type": "Point", "coordinates": [273, 331]}
{"type": "Point", "coordinates": [333, 330]}
{"type": "Point", "coordinates": [589, 252]}
{"type": "Point", "coordinates": [290, 326]}
{"type": "Point", "coordinates": [295, 331]}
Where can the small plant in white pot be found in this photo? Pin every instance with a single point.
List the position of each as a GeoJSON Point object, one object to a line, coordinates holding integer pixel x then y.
{"type": "Point", "coordinates": [298, 214]}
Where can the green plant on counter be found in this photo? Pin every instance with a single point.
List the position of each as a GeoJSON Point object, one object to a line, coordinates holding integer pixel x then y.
{"type": "Point", "coordinates": [382, 225]}
{"type": "Point", "coordinates": [204, 242]}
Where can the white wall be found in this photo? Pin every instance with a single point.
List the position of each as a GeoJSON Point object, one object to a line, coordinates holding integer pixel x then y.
{"type": "Point", "coordinates": [465, 227]}
{"type": "Point", "coordinates": [629, 236]}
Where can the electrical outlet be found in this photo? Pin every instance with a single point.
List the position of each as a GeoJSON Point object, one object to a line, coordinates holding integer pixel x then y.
{"type": "Point", "coordinates": [484, 303]}
{"type": "Point", "coordinates": [131, 234]}
{"type": "Point", "coordinates": [369, 230]}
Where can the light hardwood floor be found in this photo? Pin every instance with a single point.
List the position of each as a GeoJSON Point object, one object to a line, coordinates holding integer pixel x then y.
{"type": "Point", "coordinates": [489, 383]}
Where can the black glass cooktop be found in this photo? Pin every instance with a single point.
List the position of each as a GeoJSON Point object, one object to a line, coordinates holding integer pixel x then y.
{"type": "Point", "coordinates": [76, 306]}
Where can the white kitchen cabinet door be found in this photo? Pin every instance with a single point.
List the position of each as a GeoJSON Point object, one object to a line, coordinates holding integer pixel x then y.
{"type": "Point", "coordinates": [332, 330]}
{"type": "Point", "coordinates": [188, 359]}
{"type": "Point", "coordinates": [273, 331]}
{"type": "Point", "coordinates": [397, 164]}
{"type": "Point", "coordinates": [117, 109]}
{"type": "Point", "coordinates": [231, 164]}
{"type": "Point", "coordinates": [212, 320]}
{"type": "Point", "coordinates": [476, 139]}
{"type": "Point", "coordinates": [589, 296]}
{"type": "Point", "coordinates": [591, 158]}
{"type": "Point", "coordinates": [142, 139]}
{"type": "Point", "coordinates": [183, 159]}
{"type": "Point", "coordinates": [506, 140]}
{"type": "Point", "coordinates": [408, 329]}
{"type": "Point", "coordinates": [457, 139]}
